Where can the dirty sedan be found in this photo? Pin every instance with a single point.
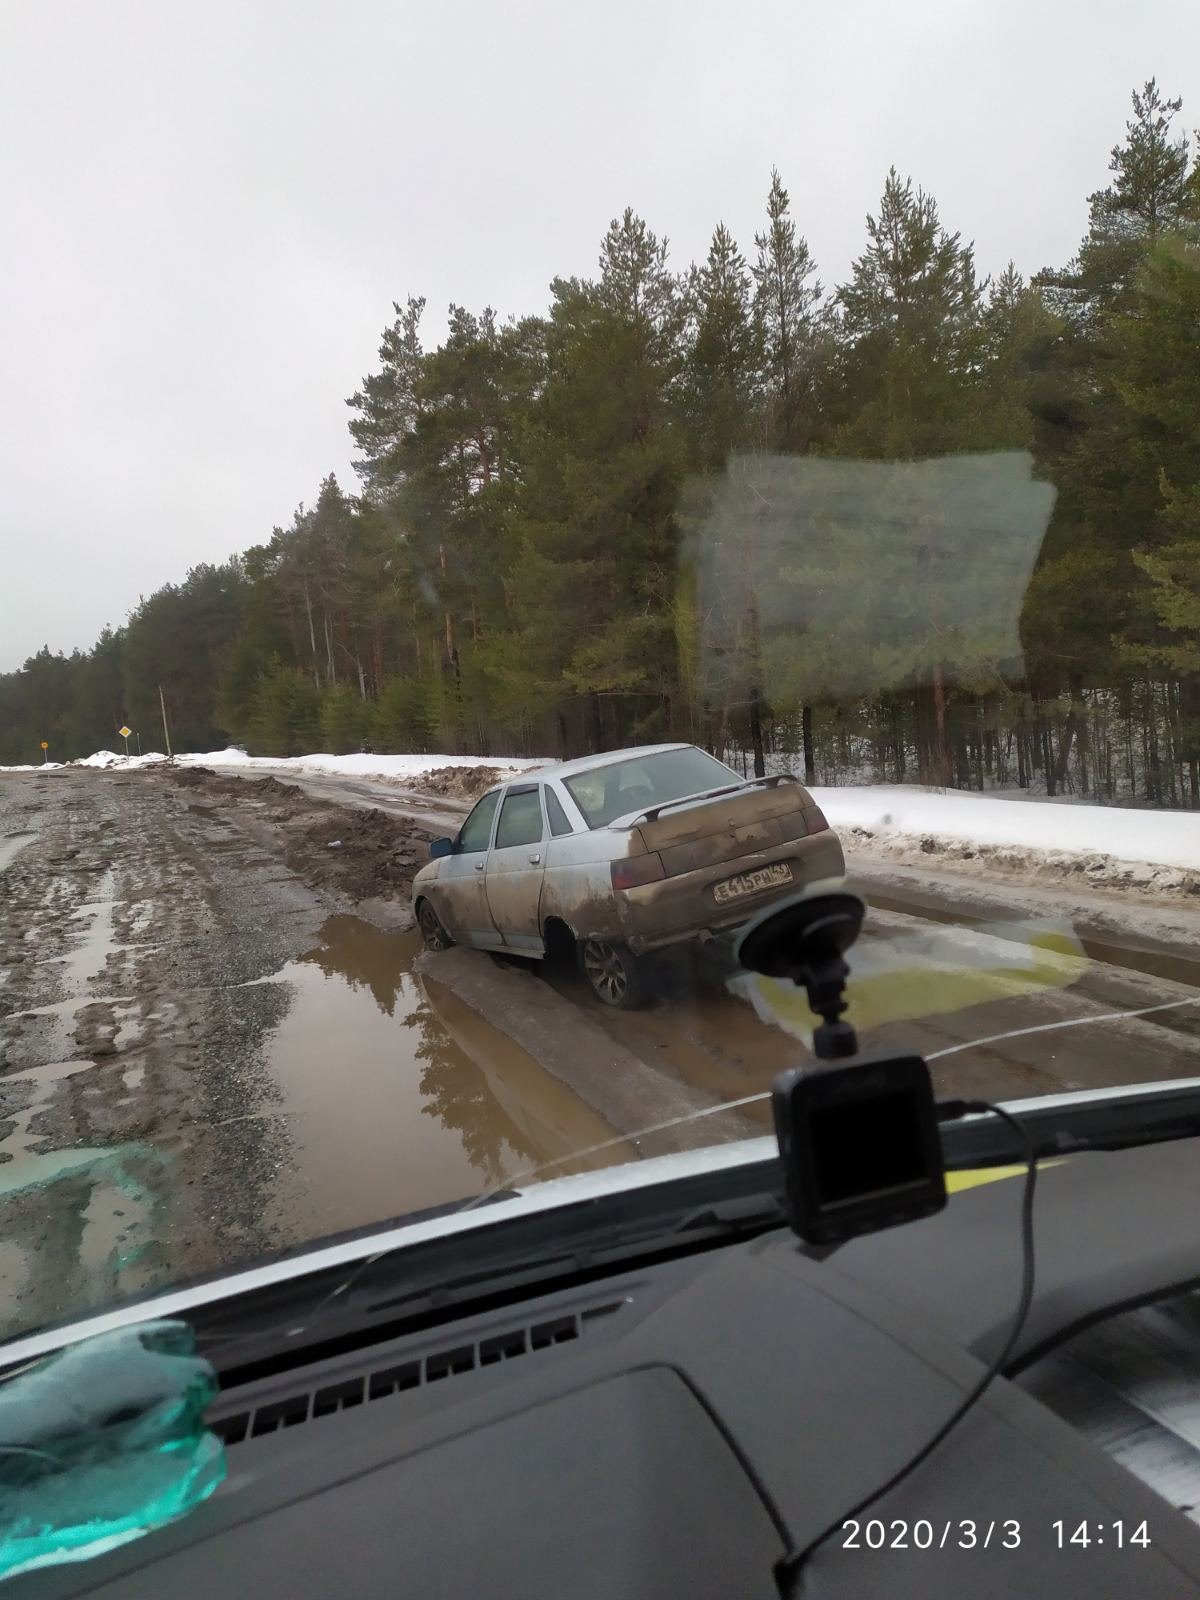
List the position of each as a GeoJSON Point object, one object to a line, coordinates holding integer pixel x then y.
{"type": "Point", "coordinates": [619, 855]}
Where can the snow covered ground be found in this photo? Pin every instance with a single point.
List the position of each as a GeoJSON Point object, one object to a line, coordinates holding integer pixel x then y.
{"type": "Point", "coordinates": [1162, 838]}
{"type": "Point", "coordinates": [396, 768]}
{"type": "Point", "coordinates": [892, 820]}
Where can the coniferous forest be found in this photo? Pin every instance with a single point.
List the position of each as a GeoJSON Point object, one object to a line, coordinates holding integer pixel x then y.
{"type": "Point", "coordinates": [921, 526]}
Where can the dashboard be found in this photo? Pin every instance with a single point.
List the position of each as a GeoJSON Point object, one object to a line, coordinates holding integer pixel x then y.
{"type": "Point", "coordinates": [675, 1430]}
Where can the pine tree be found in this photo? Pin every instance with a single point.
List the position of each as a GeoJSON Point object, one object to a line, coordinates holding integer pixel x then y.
{"type": "Point", "coordinates": [908, 334]}
{"type": "Point", "coordinates": [723, 351]}
{"type": "Point", "coordinates": [1149, 195]}
{"type": "Point", "coordinates": [785, 302]}
{"type": "Point", "coordinates": [388, 404]}
{"type": "Point", "coordinates": [594, 582]}
{"type": "Point", "coordinates": [1158, 380]}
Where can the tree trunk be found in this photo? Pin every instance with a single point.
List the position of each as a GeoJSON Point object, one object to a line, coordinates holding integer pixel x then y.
{"type": "Point", "coordinates": [1189, 716]}
{"type": "Point", "coordinates": [448, 622]}
{"type": "Point", "coordinates": [756, 732]}
{"type": "Point", "coordinates": [899, 742]}
{"type": "Point", "coordinates": [1047, 758]}
{"type": "Point", "coordinates": [1064, 751]}
{"type": "Point", "coordinates": [941, 754]}
{"type": "Point", "coordinates": [806, 739]}
{"type": "Point", "coordinates": [312, 638]}
{"type": "Point", "coordinates": [330, 670]}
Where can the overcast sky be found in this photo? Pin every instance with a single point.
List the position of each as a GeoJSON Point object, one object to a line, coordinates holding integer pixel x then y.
{"type": "Point", "coordinates": [209, 207]}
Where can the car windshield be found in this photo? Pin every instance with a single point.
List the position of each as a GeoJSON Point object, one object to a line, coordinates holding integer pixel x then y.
{"type": "Point", "coordinates": [618, 787]}
{"type": "Point", "coordinates": [431, 437]}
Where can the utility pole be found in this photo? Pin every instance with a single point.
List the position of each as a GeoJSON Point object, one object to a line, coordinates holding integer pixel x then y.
{"type": "Point", "coordinates": [166, 735]}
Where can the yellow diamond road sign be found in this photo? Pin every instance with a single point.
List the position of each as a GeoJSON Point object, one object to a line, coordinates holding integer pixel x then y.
{"type": "Point", "coordinates": [124, 732]}
{"type": "Point", "coordinates": [45, 744]}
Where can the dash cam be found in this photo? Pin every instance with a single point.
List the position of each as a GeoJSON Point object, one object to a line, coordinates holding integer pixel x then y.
{"type": "Point", "coordinates": [858, 1134]}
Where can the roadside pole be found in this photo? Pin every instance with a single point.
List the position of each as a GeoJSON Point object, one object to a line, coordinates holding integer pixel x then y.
{"type": "Point", "coordinates": [163, 706]}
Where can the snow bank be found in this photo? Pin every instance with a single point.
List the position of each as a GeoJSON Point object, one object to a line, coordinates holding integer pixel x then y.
{"type": "Point", "coordinates": [1162, 838]}
{"type": "Point", "coordinates": [109, 758]}
{"type": "Point", "coordinates": [395, 768]}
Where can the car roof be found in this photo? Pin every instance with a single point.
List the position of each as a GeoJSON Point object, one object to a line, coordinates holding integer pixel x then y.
{"type": "Point", "coordinates": [568, 769]}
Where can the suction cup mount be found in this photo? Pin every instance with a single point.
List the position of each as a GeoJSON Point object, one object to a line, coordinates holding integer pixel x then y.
{"type": "Point", "coordinates": [804, 939]}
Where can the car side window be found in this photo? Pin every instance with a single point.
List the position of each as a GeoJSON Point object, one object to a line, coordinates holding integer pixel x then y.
{"type": "Point", "coordinates": [558, 817]}
{"type": "Point", "coordinates": [477, 829]}
{"type": "Point", "coordinates": [520, 819]}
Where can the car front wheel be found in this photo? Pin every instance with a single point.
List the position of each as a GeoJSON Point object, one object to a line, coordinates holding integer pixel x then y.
{"type": "Point", "coordinates": [432, 932]}
{"type": "Point", "coordinates": [614, 973]}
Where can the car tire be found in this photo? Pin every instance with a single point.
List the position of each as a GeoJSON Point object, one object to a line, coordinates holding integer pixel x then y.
{"type": "Point", "coordinates": [614, 974]}
{"type": "Point", "coordinates": [433, 934]}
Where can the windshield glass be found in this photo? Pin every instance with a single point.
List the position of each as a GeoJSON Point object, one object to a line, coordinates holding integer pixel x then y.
{"type": "Point", "coordinates": [484, 446]}
{"type": "Point", "coordinates": [619, 787]}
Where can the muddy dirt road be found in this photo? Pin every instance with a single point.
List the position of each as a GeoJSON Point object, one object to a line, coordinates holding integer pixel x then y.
{"type": "Point", "coordinates": [218, 1038]}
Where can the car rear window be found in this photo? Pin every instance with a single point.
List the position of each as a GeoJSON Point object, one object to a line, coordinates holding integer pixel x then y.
{"type": "Point", "coordinates": [620, 787]}
{"type": "Point", "coordinates": [520, 820]}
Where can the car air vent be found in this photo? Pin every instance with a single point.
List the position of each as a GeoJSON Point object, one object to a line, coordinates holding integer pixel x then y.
{"type": "Point", "coordinates": [435, 1366]}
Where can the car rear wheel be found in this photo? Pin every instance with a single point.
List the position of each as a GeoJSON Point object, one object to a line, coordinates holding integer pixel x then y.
{"type": "Point", "coordinates": [432, 932]}
{"type": "Point", "coordinates": [614, 973]}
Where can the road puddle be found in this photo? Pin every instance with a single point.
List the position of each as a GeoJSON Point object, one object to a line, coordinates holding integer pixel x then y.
{"type": "Point", "coordinates": [11, 843]}
{"type": "Point", "coordinates": [88, 958]}
{"type": "Point", "coordinates": [99, 1223]}
{"type": "Point", "coordinates": [397, 1096]}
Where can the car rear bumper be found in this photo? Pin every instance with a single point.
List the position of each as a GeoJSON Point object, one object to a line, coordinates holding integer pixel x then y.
{"type": "Point", "coordinates": [684, 907]}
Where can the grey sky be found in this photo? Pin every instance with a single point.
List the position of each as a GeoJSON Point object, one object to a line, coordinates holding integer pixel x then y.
{"type": "Point", "coordinates": [209, 208]}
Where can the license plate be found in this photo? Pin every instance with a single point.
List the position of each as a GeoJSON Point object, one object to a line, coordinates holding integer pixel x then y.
{"type": "Point", "coordinates": [751, 882]}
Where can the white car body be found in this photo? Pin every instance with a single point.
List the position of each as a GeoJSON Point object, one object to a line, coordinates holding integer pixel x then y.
{"type": "Point", "coordinates": [711, 859]}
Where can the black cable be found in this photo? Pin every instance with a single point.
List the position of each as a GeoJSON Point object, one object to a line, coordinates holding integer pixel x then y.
{"type": "Point", "coordinates": [790, 1566]}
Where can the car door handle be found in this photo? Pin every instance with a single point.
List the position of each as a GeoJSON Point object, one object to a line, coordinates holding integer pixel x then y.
{"type": "Point", "coordinates": [479, 866]}
{"type": "Point", "coordinates": [533, 860]}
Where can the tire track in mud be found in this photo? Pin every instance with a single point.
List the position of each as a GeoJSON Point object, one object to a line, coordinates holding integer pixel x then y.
{"type": "Point", "coordinates": [130, 926]}
{"type": "Point", "coordinates": [204, 1060]}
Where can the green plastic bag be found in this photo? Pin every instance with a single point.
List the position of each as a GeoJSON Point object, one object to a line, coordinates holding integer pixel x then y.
{"type": "Point", "coordinates": [102, 1442]}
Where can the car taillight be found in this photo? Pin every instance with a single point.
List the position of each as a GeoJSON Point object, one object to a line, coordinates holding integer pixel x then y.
{"type": "Point", "coordinates": [632, 870]}
{"type": "Point", "coordinates": [814, 819]}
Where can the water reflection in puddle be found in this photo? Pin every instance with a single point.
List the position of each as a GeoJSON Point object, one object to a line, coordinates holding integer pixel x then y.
{"type": "Point", "coordinates": [398, 1096]}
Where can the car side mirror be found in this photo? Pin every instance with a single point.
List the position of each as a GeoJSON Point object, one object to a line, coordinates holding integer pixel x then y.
{"type": "Point", "coordinates": [441, 847]}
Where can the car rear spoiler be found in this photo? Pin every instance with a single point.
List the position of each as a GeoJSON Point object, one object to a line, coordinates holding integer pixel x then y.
{"type": "Point", "coordinates": [652, 813]}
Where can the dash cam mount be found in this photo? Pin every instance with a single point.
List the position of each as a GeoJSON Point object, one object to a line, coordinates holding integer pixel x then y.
{"type": "Point", "coordinates": [858, 1134]}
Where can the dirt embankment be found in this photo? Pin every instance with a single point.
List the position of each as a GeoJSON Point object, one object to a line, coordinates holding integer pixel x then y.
{"type": "Point", "coordinates": [457, 783]}
{"type": "Point", "coordinates": [354, 854]}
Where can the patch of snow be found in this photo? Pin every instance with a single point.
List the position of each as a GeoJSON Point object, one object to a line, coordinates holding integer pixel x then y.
{"type": "Point", "coordinates": [392, 767]}
{"type": "Point", "coordinates": [108, 758]}
{"type": "Point", "coordinates": [940, 819]}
